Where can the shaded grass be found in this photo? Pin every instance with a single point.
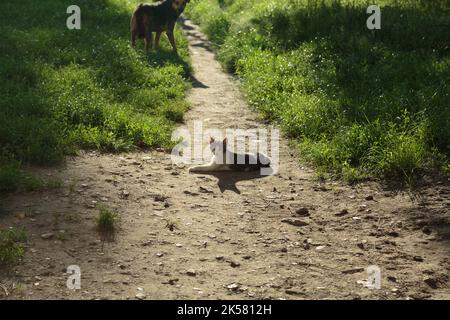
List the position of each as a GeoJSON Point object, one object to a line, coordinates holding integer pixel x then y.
{"type": "Point", "coordinates": [11, 245]}
{"type": "Point", "coordinates": [360, 103]}
{"type": "Point", "coordinates": [65, 89]}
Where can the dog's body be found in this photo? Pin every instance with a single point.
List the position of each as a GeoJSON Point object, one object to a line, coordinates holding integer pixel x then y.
{"type": "Point", "coordinates": [156, 17]}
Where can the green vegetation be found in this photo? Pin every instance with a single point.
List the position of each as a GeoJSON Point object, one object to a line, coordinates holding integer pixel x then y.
{"type": "Point", "coordinates": [11, 248]}
{"type": "Point", "coordinates": [107, 220]}
{"type": "Point", "coordinates": [65, 89]}
{"type": "Point", "coordinates": [361, 103]}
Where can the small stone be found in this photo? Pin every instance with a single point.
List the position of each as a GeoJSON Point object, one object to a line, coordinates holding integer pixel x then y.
{"type": "Point", "coordinates": [295, 222]}
{"type": "Point", "coordinates": [171, 281]}
{"type": "Point", "coordinates": [233, 286]}
{"type": "Point", "coordinates": [204, 190]}
{"type": "Point", "coordinates": [353, 270]}
{"type": "Point", "coordinates": [141, 296]}
{"type": "Point", "coordinates": [343, 212]}
{"type": "Point", "coordinates": [302, 211]}
{"type": "Point", "coordinates": [362, 207]}
{"type": "Point", "coordinates": [361, 245]}
{"type": "Point", "coordinates": [234, 264]}
{"type": "Point", "coordinates": [159, 198]}
{"type": "Point", "coordinates": [190, 193]}
{"type": "Point", "coordinates": [418, 258]}
{"type": "Point", "coordinates": [392, 278]}
{"type": "Point", "coordinates": [20, 215]}
{"type": "Point", "coordinates": [432, 282]}
{"type": "Point", "coordinates": [369, 198]}
{"type": "Point", "coordinates": [394, 234]}
{"type": "Point", "coordinates": [47, 236]}
{"type": "Point", "coordinates": [294, 292]}
{"type": "Point", "coordinates": [191, 273]}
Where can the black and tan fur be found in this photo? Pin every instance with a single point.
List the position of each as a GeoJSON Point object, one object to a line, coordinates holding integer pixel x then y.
{"type": "Point", "coordinates": [156, 17]}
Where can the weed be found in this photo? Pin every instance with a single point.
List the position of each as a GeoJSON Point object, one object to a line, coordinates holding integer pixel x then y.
{"type": "Point", "coordinates": [11, 245]}
{"type": "Point", "coordinates": [107, 220]}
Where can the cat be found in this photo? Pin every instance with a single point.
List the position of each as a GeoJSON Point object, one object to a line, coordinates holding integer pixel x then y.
{"type": "Point", "coordinates": [225, 160]}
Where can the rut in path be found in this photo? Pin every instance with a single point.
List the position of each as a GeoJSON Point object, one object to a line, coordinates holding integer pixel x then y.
{"type": "Point", "coordinates": [203, 236]}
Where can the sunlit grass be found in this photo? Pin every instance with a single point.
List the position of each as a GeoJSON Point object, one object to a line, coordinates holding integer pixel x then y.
{"type": "Point", "coordinates": [359, 103]}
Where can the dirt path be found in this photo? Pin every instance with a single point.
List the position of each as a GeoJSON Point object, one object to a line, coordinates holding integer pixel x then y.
{"type": "Point", "coordinates": [229, 240]}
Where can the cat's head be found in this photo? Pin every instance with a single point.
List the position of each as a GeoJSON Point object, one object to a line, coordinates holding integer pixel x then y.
{"type": "Point", "coordinates": [217, 147]}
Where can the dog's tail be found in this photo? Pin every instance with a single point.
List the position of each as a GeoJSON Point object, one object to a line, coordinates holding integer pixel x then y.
{"type": "Point", "coordinates": [137, 24]}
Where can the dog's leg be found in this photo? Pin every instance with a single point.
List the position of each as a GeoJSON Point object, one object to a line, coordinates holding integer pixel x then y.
{"type": "Point", "coordinates": [148, 36]}
{"type": "Point", "coordinates": [157, 37]}
{"type": "Point", "coordinates": [133, 39]}
{"type": "Point", "coordinates": [171, 37]}
{"type": "Point", "coordinates": [134, 29]}
{"type": "Point", "coordinates": [148, 40]}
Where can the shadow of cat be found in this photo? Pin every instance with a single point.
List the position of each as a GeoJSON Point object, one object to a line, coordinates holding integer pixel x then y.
{"type": "Point", "coordinates": [227, 180]}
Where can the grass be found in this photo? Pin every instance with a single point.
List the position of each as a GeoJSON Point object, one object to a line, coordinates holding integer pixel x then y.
{"type": "Point", "coordinates": [68, 89]}
{"type": "Point", "coordinates": [359, 103]}
{"type": "Point", "coordinates": [13, 178]}
{"type": "Point", "coordinates": [107, 220]}
{"type": "Point", "coordinates": [171, 224]}
{"type": "Point", "coordinates": [11, 245]}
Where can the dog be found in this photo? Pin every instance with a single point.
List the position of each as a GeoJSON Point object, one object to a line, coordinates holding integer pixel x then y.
{"type": "Point", "coordinates": [156, 17]}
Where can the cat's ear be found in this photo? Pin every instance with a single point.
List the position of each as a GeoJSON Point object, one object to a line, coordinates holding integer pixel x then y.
{"type": "Point", "coordinates": [211, 140]}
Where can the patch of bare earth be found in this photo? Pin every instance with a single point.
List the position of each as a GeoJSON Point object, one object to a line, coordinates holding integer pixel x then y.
{"type": "Point", "coordinates": [227, 236]}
